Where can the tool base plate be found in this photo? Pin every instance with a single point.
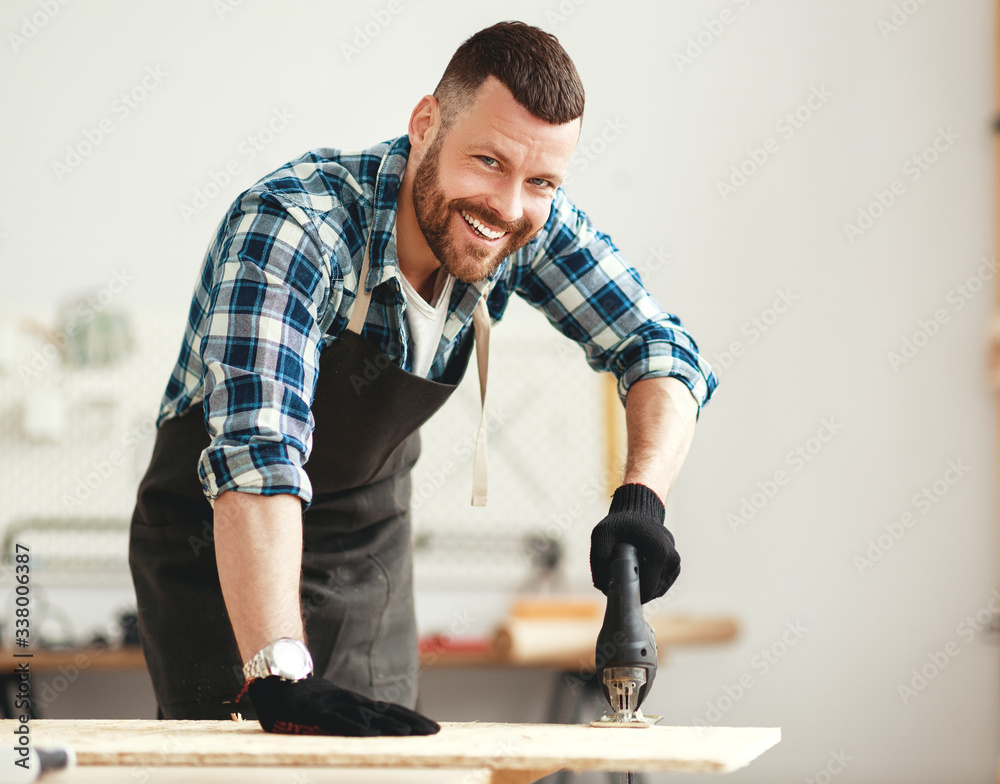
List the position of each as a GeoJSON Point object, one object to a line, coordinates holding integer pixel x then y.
{"type": "Point", "coordinates": [638, 721]}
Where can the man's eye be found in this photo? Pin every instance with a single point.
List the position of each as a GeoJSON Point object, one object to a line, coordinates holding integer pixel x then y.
{"type": "Point", "coordinates": [540, 182]}
{"type": "Point", "coordinates": [487, 160]}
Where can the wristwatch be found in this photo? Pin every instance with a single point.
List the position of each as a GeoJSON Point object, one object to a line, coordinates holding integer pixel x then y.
{"type": "Point", "coordinates": [287, 658]}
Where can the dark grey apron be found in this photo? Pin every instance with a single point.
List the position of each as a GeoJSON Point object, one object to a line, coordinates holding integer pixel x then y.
{"type": "Point", "coordinates": [357, 592]}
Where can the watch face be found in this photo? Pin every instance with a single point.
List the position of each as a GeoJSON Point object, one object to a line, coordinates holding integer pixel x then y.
{"type": "Point", "coordinates": [291, 658]}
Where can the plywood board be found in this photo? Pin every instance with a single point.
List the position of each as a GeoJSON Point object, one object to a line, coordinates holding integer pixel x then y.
{"type": "Point", "coordinates": [181, 774]}
{"type": "Point", "coordinates": [538, 748]}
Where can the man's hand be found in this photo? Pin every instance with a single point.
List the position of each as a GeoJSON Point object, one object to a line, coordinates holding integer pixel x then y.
{"type": "Point", "coordinates": [636, 517]}
{"type": "Point", "coordinates": [316, 707]}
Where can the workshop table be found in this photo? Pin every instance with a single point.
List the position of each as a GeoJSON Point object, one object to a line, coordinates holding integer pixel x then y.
{"type": "Point", "coordinates": [220, 752]}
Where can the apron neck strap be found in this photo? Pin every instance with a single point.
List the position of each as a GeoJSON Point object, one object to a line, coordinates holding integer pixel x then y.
{"type": "Point", "coordinates": [363, 296]}
{"type": "Point", "coordinates": [481, 325]}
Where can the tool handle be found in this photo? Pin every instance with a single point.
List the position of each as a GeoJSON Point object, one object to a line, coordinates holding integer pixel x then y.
{"type": "Point", "coordinates": [625, 571]}
{"type": "Point", "coordinates": [625, 638]}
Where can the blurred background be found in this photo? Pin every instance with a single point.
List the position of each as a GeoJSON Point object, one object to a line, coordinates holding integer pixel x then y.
{"type": "Point", "coordinates": [809, 186]}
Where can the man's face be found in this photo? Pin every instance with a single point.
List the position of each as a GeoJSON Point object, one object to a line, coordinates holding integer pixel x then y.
{"type": "Point", "coordinates": [497, 166]}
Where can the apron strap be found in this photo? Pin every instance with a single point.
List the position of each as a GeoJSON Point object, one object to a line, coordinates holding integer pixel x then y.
{"type": "Point", "coordinates": [481, 324]}
{"type": "Point", "coordinates": [363, 296]}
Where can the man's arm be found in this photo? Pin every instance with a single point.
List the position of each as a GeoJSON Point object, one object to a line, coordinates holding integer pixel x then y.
{"type": "Point", "coordinates": [660, 415]}
{"type": "Point", "coordinates": [258, 548]}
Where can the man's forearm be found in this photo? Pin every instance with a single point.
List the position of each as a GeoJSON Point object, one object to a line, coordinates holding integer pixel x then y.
{"type": "Point", "coordinates": [258, 548]}
{"type": "Point", "coordinates": [660, 415]}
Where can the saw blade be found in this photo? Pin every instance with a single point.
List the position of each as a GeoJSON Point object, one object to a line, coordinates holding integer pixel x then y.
{"type": "Point", "coordinates": [639, 720]}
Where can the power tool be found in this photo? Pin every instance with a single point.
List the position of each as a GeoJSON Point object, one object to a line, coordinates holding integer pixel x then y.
{"type": "Point", "coordinates": [626, 645]}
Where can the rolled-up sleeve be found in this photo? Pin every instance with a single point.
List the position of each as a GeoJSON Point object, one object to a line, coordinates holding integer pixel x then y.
{"type": "Point", "coordinates": [260, 350]}
{"type": "Point", "coordinates": [587, 289]}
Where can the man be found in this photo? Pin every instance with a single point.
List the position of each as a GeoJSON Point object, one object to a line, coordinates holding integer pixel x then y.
{"type": "Point", "coordinates": [395, 258]}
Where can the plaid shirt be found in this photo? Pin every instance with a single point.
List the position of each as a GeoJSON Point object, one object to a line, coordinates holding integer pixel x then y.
{"type": "Point", "coordinates": [278, 285]}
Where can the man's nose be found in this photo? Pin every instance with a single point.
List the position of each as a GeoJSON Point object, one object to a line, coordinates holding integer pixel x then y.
{"type": "Point", "coordinates": [505, 201]}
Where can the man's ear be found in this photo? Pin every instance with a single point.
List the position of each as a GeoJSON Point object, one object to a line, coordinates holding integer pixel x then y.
{"type": "Point", "coordinates": [424, 123]}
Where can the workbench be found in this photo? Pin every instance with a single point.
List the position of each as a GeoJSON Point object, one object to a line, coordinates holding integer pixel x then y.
{"type": "Point", "coordinates": [566, 647]}
{"type": "Point", "coordinates": [220, 752]}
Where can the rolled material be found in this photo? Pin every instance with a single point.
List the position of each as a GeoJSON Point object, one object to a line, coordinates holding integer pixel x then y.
{"type": "Point", "coordinates": [17, 767]}
{"type": "Point", "coordinates": [568, 642]}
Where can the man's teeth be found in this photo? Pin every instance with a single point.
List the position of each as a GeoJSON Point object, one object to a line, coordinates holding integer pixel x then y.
{"type": "Point", "coordinates": [493, 235]}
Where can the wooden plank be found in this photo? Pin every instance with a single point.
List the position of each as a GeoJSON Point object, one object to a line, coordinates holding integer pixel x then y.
{"type": "Point", "coordinates": [519, 776]}
{"type": "Point", "coordinates": [614, 434]}
{"type": "Point", "coordinates": [994, 336]}
{"type": "Point", "coordinates": [534, 748]}
{"type": "Point", "coordinates": [182, 774]}
{"type": "Point", "coordinates": [90, 659]}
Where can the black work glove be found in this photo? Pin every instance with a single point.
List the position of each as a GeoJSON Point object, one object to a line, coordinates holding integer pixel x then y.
{"type": "Point", "coordinates": [636, 517]}
{"type": "Point", "coordinates": [314, 706]}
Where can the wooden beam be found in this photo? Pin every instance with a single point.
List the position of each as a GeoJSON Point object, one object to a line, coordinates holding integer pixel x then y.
{"type": "Point", "coordinates": [184, 774]}
{"type": "Point", "coordinates": [994, 337]}
{"type": "Point", "coordinates": [614, 433]}
{"type": "Point", "coordinates": [519, 776]}
{"type": "Point", "coordinates": [520, 750]}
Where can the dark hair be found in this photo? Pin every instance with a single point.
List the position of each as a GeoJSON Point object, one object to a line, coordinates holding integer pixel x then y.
{"type": "Point", "coordinates": [528, 61]}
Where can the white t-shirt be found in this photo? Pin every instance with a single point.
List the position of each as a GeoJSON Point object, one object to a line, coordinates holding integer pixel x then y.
{"type": "Point", "coordinates": [425, 320]}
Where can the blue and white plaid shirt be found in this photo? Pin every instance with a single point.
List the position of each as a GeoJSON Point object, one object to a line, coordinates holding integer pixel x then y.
{"type": "Point", "coordinates": [278, 286]}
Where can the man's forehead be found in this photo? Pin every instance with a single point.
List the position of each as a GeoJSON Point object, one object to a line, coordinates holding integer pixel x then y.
{"type": "Point", "coordinates": [496, 118]}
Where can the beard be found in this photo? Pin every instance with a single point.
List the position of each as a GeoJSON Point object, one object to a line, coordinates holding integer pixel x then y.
{"type": "Point", "coordinates": [467, 260]}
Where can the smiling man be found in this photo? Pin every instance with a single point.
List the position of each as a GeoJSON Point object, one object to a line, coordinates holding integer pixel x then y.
{"type": "Point", "coordinates": [499, 163]}
{"type": "Point", "coordinates": [270, 545]}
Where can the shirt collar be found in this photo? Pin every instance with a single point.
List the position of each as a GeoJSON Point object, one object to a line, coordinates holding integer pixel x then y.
{"type": "Point", "coordinates": [384, 264]}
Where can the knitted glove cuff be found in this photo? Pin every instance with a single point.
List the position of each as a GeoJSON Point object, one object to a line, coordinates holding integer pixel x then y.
{"type": "Point", "coordinates": [638, 498]}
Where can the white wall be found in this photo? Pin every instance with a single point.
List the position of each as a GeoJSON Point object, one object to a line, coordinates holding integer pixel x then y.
{"type": "Point", "coordinates": [672, 132]}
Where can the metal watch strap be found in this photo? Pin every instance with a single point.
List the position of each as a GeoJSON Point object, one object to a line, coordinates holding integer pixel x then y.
{"type": "Point", "coordinates": [260, 665]}
{"type": "Point", "coordinates": [255, 667]}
